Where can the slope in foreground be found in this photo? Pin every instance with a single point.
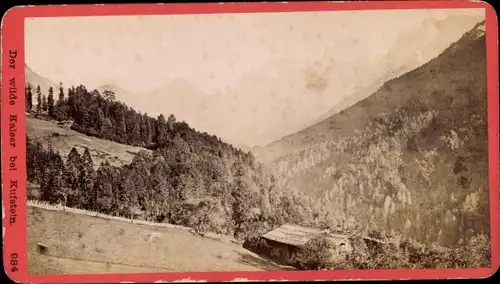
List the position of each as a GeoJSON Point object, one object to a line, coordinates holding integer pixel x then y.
{"type": "Point", "coordinates": [80, 244]}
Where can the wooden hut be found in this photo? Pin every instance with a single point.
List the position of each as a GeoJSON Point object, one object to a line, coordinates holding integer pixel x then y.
{"type": "Point", "coordinates": [283, 243]}
{"type": "Point", "coordinates": [65, 123]}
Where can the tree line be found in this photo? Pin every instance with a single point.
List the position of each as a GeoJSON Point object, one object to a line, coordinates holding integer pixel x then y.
{"type": "Point", "coordinates": [102, 116]}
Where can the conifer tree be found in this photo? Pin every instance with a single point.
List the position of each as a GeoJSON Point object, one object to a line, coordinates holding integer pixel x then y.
{"type": "Point", "coordinates": [120, 127]}
{"type": "Point", "coordinates": [171, 122]}
{"type": "Point", "coordinates": [109, 98]}
{"type": "Point", "coordinates": [135, 131]}
{"type": "Point", "coordinates": [159, 189]}
{"type": "Point", "coordinates": [74, 167]}
{"type": "Point", "coordinates": [72, 103]}
{"type": "Point", "coordinates": [100, 124]}
{"type": "Point", "coordinates": [39, 101]}
{"type": "Point", "coordinates": [103, 189]}
{"type": "Point", "coordinates": [161, 130]}
{"type": "Point", "coordinates": [51, 187]}
{"type": "Point", "coordinates": [145, 130]}
{"type": "Point", "coordinates": [44, 103]}
{"type": "Point", "coordinates": [86, 181]}
{"type": "Point", "coordinates": [50, 102]}
{"type": "Point", "coordinates": [127, 195]}
{"type": "Point", "coordinates": [61, 93]}
{"type": "Point", "coordinates": [241, 199]}
{"type": "Point", "coordinates": [29, 98]}
{"type": "Point", "coordinates": [34, 160]}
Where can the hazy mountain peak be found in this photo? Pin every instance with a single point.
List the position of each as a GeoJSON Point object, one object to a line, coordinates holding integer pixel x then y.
{"type": "Point", "coordinates": [420, 44]}
{"type": "Point", "coordinates": [34, 79]}
{"type": "Point", "coordinates": [479, 30]}
{"type": "Point", "coordinates": [111, 87]}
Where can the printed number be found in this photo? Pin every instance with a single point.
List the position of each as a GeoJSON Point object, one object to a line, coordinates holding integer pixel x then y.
{"type": "Point", "coordinates": [14, 262]}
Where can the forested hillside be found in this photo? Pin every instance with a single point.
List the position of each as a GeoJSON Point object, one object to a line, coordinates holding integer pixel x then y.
{"type": "Point", "coordinates": [190, 178]}
{"type": "Point", "coordinates": [412, 157]}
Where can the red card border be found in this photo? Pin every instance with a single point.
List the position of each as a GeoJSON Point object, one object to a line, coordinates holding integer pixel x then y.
{"type": "Point", "coordinates": [15, 238]}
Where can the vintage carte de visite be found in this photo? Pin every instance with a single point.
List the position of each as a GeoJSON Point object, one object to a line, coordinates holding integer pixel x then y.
{"type": "Point", "coordinates": [250, 142]}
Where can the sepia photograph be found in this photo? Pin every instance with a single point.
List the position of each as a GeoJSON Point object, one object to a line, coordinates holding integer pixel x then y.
{"type": "Point", "coordinates": [326, 140]}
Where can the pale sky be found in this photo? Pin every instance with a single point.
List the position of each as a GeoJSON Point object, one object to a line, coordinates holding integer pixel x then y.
{"type": "Point", "coordinates": [232, 54]}
{"type": "Point", "coordinates": [141, 53]}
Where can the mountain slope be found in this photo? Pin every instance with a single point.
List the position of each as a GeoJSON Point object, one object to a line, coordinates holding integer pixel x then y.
{"type": "Point", "coordinates": [36, 80]}
{"type": "Point", "coordinates": [417, 46]}
{"type": "Point", "coordinates": [412, 156]}
{"type": "Point", "coordinates": [413, 48]}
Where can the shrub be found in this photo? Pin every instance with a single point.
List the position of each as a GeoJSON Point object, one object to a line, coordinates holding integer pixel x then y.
{"type": "Point", "coordinates": [315, 255]}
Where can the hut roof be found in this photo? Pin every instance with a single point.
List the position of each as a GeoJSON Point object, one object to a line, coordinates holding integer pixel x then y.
{"type": "Point", "coordinates": [298, 235]}
{"type": "Point", "coordinates": [374, 240]}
